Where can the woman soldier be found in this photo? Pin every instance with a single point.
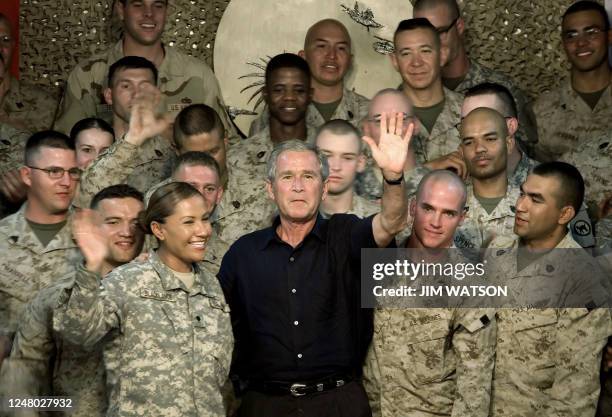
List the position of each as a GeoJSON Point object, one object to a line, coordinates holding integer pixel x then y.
{"type": "Point", "coordinates": [165, 319]}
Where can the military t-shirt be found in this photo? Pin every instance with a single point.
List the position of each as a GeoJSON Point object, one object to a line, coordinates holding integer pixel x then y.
{"type": "Point", "coordinates": [453, 82]}
{"type": "Point", "coordinates": [489, 204]}
{"type": "Point", "coordinates": [429, 115]}
{"type": "Point", "coordinates": [592, 98]}
{"type": "Point", "coordinates": [327, 109]}
{"type": "Point", "coordinates": [46, 232]}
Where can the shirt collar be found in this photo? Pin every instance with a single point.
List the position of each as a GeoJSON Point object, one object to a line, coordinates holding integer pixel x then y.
{"type": "Point", "coordinates": [319, 231]}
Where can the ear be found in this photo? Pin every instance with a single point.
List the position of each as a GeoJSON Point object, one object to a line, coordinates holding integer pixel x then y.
{"type": "Point", "coordinates": [26, 175]}
{"type": "Point", "coordinates": [302, 54]}
{"type": "Point", "coordinates": [264, 93]}
{"type": "Point", "coordinates": [226, 143]}
{"type": "Point", "coordinates": [460, 26]}
{"type": "Point", "coordinates": [512, 123]}
{"type": "Point", "coordinates": [119, 9]}
{"type": "Point", "coordinates": [412, 207]}
{"type": "Point", "coordinates": [394, 62]}
{"type": "Point", "coordinates": [510, 144]}
{"type": "Point", "coordinates": [108, 96]}
{"type": "Point", "coordinates": [566, 215]}
{"type": "Point", "coordinates": [158, 231]}
{"type": "Point", "coordinates": [220, 195]}
{"type": "Point", "coordinates": [462, 216]}
{"type": "Point", "coordinates": [270, 190]}
{"type": "Point", "coordinates": [325, 189]}
{"type": "Point", "coordinates": [361, 162]}
{"type": "Point", "coordinates": [444, 54]}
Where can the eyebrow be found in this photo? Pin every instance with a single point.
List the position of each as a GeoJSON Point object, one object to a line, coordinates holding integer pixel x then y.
{"type": "Point", "coordinates": [532, 195]}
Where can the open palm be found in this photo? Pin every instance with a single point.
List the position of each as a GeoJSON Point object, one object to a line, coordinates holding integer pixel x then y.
{"type": "Point", "coordinates": [90, 238]}
{"type": "Point", "coordinates": [145, 123]}
{"type": "Point", "coordinates": [391, 151]}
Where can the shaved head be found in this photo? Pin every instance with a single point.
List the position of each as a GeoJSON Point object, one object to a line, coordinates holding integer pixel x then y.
{"type": "Point", "coordinates": [452, 182]}
{"type": "Point", "coordinates": [311, 34]}
{"type": "Point", "coordinates": [390, 100]}
{"type": "Point", "coordinates": [482, 114]}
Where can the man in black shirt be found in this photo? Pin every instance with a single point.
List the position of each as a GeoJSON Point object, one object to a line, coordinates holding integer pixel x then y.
{"type": "Point", "coordinates": [294, 288]}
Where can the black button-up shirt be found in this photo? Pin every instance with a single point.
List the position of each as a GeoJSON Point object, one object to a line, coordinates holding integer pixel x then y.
{"type": "Point", "coordinates": [296, 311]}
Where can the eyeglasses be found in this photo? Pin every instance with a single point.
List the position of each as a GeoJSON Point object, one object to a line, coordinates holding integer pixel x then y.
{"type": "Point", "coordinates": [574, 35]}
{"type": "Point", "coordinates": [56, 173]}
{"type": "Point", "coordinates": [444, 29]}
{"type": "Point", "coordinates": [376, 118]}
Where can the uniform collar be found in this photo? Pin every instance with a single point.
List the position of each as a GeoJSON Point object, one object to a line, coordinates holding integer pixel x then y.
{"type": "Point", "coordinates": [170, 282]}
{"type": "Point", "coordinates": [19, 233]}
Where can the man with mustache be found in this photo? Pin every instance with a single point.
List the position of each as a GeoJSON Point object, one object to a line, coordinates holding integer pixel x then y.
{"type": "Point", "coordinates": [486, 144]}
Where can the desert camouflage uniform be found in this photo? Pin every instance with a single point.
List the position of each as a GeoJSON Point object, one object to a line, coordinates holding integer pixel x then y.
{"type": "Point", "coordinates": [28, 107]}
{"type": "Point", "coordinates": [566, 122]}
{"type": "Point", "coordinates": [444, 136]}
{"type": "Point", "coordinates": [12, 150]}
{"type": "Point", "coordinates": [353, 108]}
{"type": "Point", "coordinates": [431, 362]}
{"type": "Point", "coordinates": [547, 360]}
{"type": "Point", "coordinates": [478, 74]}
{"type": "Point", "coordinates": [183, 80]}
{"type": "Point", "coordinates": [175, 344]}
{"type": "Point", "coordinates": [139, 166]}
{"type": "Point", "coordinates": [479, 227]}
{"type": "Point", "coordinates": [594, 161]}
{"type": "Point", "coordinates": [77, 373]}
{"type": "Point", "coordinates": [361, 208]}
{"type": "Point", "coordinates": [370, 183]}
{"type": "Point", "coordinates": [26, 266]}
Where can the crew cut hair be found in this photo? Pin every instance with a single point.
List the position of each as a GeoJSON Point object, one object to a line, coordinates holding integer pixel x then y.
{"type": "Point", "coordinates": [46, 138]}
{"type": "Point", "coordinates": [131, 62]}
{"type": "Point", "coordinates": [571, 183]}
{"type": "Point", "coordinates": [116, 191]}
{"type": "Point", "coordinates": [197, 119]}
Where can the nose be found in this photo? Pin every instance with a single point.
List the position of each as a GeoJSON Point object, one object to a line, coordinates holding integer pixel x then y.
{"type": "Point", "coordinates": [127, 229]}
{"type": "Point", "coordinates": [334, 164]}
{"type": "Point", "coordinates": [480, 148]}
{"type": "Point", "coordinates": [148, 10]}
{"type": "Point", "coordinates": [204, 229]}
{"type": "Point", "coordinates": [66, 181]}
{"type": "Point", "coordinates": [331, 52]}
{"type": "Point", "coordinates": [416, 60]}
{"type": "Point", "coordinates": [521, 203]}
{"type": "Point", "coordinates": [298, 184]}
{"type": "Point", "coordinates": [436, 219]}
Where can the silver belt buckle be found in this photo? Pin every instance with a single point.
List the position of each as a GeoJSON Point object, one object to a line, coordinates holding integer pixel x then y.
{"type": "Point", "coordinates": [294, 390]}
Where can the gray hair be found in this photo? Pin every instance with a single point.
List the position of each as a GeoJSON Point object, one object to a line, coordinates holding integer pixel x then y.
{"type": "Point", "coordinates": [295, 145]}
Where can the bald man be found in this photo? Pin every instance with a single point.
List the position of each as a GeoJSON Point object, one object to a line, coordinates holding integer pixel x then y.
{"type": "Point", "coordinates": [425, 362]}
{"type": "Point", "coordinates": [486, 144]}
{"type": "Point", "coordinates": [327, 49]}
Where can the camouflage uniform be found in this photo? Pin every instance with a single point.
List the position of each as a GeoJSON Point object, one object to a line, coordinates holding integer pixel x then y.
{"type": "Point", "coordinates": [183, 80]}
{"type": "Point", "coordinates": [12, 150]}
{"type": "Point", "coordinates": [478, 74]}
{"type": "Point", "coordinates": [28, 107]}
{"type": "Point", "coordinates": [523, 168]}
{"type": "Point", "coordinates": [479, 227]}
{"type": "Point", "coordinates": [594, 161]}
{"type": "Point", "coordinates": [444, 136]}
{"type": "Point", "coordinates": [361, 208]}
{"type": "Point", "coordinates": [566, 122]}
{"type": "Point", "coordinates": [139, 166]}
{"type": "Point", "coordinates": [175, 344]}
{"type": "Point", "coordinates": [547, 360]}
{"type": "Point", "coordinates": [77, 373]}
{"type": "Point", "coordinates": [431, 362]}
{"type": "Point", "coordinates": [353, 107]}
{"type": "Point", "coordinates": [27, 266]}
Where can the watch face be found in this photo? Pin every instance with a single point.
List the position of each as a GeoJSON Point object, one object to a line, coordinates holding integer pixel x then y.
{"type": "Point", "coordinates": [242, 50]}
